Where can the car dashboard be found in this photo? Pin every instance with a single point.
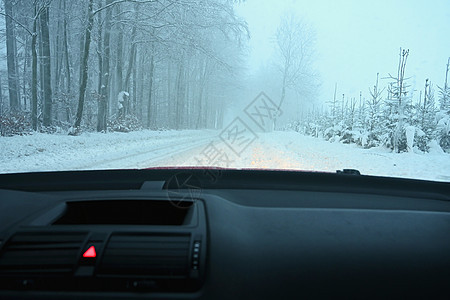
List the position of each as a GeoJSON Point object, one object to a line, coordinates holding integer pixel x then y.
{"type": "Point", "coordinates": [222, 234]}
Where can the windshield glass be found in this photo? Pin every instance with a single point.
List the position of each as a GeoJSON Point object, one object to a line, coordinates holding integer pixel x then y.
{"type": "Point", "coordinates": [298, 85]}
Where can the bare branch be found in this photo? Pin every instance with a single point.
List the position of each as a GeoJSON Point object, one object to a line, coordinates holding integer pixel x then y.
{"type": "Point", "coordinates": [17, 22]}
{"type": "Point", "coordinates": [122, 1]}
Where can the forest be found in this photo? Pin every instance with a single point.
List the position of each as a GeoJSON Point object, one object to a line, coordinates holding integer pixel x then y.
{"type": "Point", "coordinates": [119, 65]}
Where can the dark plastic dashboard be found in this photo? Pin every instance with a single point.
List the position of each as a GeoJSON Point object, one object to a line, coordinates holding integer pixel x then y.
{"type": "Point", "coordinates": [222, 234]}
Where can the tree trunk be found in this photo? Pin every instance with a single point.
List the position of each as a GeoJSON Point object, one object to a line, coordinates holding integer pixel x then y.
{"type": "Point", "coordinates": [66, 53]}
{"type": "Point", "coordinates": [206, 109]}
{"type": "Point", "coordinates": [130, 67]}
{"type": "Point", "coordinates": [17, 70]}
{"type": "Point", "coordinates": [84, 67]}
{"type": "Point", "coordinates": [178, 97]}
{"type": "Point", "coordinates": [24, 72]}
{"type": "Point", "coordinates": [170, 106]}
{"type": "Point", "coordinates": [283, 96]}
{"type": "Point", "coordinates": [119, 58]}
{"type": "Point", "coordinates": [134, 108]}
{"type": "Point", "coordinates": [150, 120]}
{"type": "Point", "coordinates": [141, 86]}
{"type": "Point", "coordinates": [59, 56]}
{"type": "Point", "coordinates": [445, 91]}
{"type": "Point", "coordinates": [47, 101]}
{"type": "Point", "coordinates": [67, 67]}
{"type": "Point", "coordinates": [13, 86]}
{"type": "Point", "coordinates": [103, 99]}
{"type": "Point", "coordinates": [1, 99]}
{"type": "Point", "coordinates": [99, 49]}
{"type": "Point", "coordinates": [202, 84]}
{"type": "Point", "coordinates": [34, 74]}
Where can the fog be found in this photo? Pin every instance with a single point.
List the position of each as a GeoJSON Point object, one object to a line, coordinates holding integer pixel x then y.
{"type": "Point", "coordinates": [198, 64]}
{"type": "Point", "coordinates": [357, 39]}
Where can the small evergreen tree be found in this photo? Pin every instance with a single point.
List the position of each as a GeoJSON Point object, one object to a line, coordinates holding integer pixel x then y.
{"type": "Point", "coordinates": [443, 116]}
{"type": "Point", "coordinates": [397, 105]}
{"type": "Point", "coordinates": [426, 129]}
{"type": "Point", "coordinates": [374, 117]}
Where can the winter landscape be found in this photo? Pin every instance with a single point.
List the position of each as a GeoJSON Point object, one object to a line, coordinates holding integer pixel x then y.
{"type": "Point", "coordinates": [117, 84]}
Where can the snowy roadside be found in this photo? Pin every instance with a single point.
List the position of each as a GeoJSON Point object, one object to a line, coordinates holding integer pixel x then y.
{"type": "Point", "coordinates": [53, 152]}
{"type": "Point", "coordinates": [291, 150]}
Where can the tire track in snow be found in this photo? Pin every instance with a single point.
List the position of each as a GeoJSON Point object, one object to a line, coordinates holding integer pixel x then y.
{"type": "Point", "coordinates": [146, 158]}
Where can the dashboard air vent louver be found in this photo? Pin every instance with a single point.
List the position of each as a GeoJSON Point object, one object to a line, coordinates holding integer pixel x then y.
{"type": "Point", "coordinates": [41, 253]}
{"type": "Point", "coordinates": [150, 255]}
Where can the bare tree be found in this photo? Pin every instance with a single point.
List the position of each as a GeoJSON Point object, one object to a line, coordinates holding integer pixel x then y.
{"type": "Point", "coordinates": [151, 105]}
{"type": "Point", "coordinates": [398, 92]}
{"type": "Point", "coordinates": [444, 91]}
{"type": "Point", "coordinates": [46, 66]}
{"type": "Point", "coordinates": [104, 75]}
{"type": "Point", "coordinates": [34, 103]}
{"type": "Point", "coordinates": [13, 80]}
{"type": "Point", "coordinates": [84, 65]}
{"type": "Point", "coordinates": [295, 41]}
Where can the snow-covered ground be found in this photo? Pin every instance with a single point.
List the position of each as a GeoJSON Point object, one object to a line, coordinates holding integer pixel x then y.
{"type": "Point", "coordinates": [53, 152]}
{"type": "Point", "coordinates": [144, 149]}
{"type": "Point", "coordinates": [291, 150]}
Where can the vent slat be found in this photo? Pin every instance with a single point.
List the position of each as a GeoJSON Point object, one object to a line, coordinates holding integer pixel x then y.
{"type": "Point", "coordinates": [144, 260]}
{"type": "Point", "coordinates": [37, 271]}
{"type": "Point", "coordinates": [139, 270]}
{"type": "Point", "coordinates": [46, 238]}
{"type": "Point", "coordinates": [154, 255]}
{"type": "Point", "coordinates": [149, 267]}
{"type": "Point", "coordinates": [148, 252]}
{"type": "Point", "coordinates": [41, 252]}
{"type": "Point", "coordinates": [38, 260]}
{"type": "Point", "coordinates": [150, 238]}
{"type": "Point", "coordinates": [40, 247]}
{"type": "Point", "coordinates": [168, 246]}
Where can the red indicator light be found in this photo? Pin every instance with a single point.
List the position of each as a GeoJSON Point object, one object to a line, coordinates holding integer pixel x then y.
{"type": "Point", "coordinates": [90, 252]}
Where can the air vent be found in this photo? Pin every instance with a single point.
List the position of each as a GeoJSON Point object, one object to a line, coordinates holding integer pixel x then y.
{"type": "Point", "coordinates": [150, 255]}
{"type": "Point", "coordinates": [51, 253]}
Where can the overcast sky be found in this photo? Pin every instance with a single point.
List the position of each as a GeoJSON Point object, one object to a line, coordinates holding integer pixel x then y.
{"type": "Point", "coordinates": [357, 38]}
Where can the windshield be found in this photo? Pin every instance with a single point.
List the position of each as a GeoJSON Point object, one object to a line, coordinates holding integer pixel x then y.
{"type": "Point", "coordinates": [265, 84]}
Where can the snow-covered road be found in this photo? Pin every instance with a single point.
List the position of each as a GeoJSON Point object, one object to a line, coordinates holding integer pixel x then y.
{"type": "Point", "coordinates": [144, 149]}
{"type": "Point", "coordinates": [44, 152]}
{"type": "Point", "coordinates": [291, 150]}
